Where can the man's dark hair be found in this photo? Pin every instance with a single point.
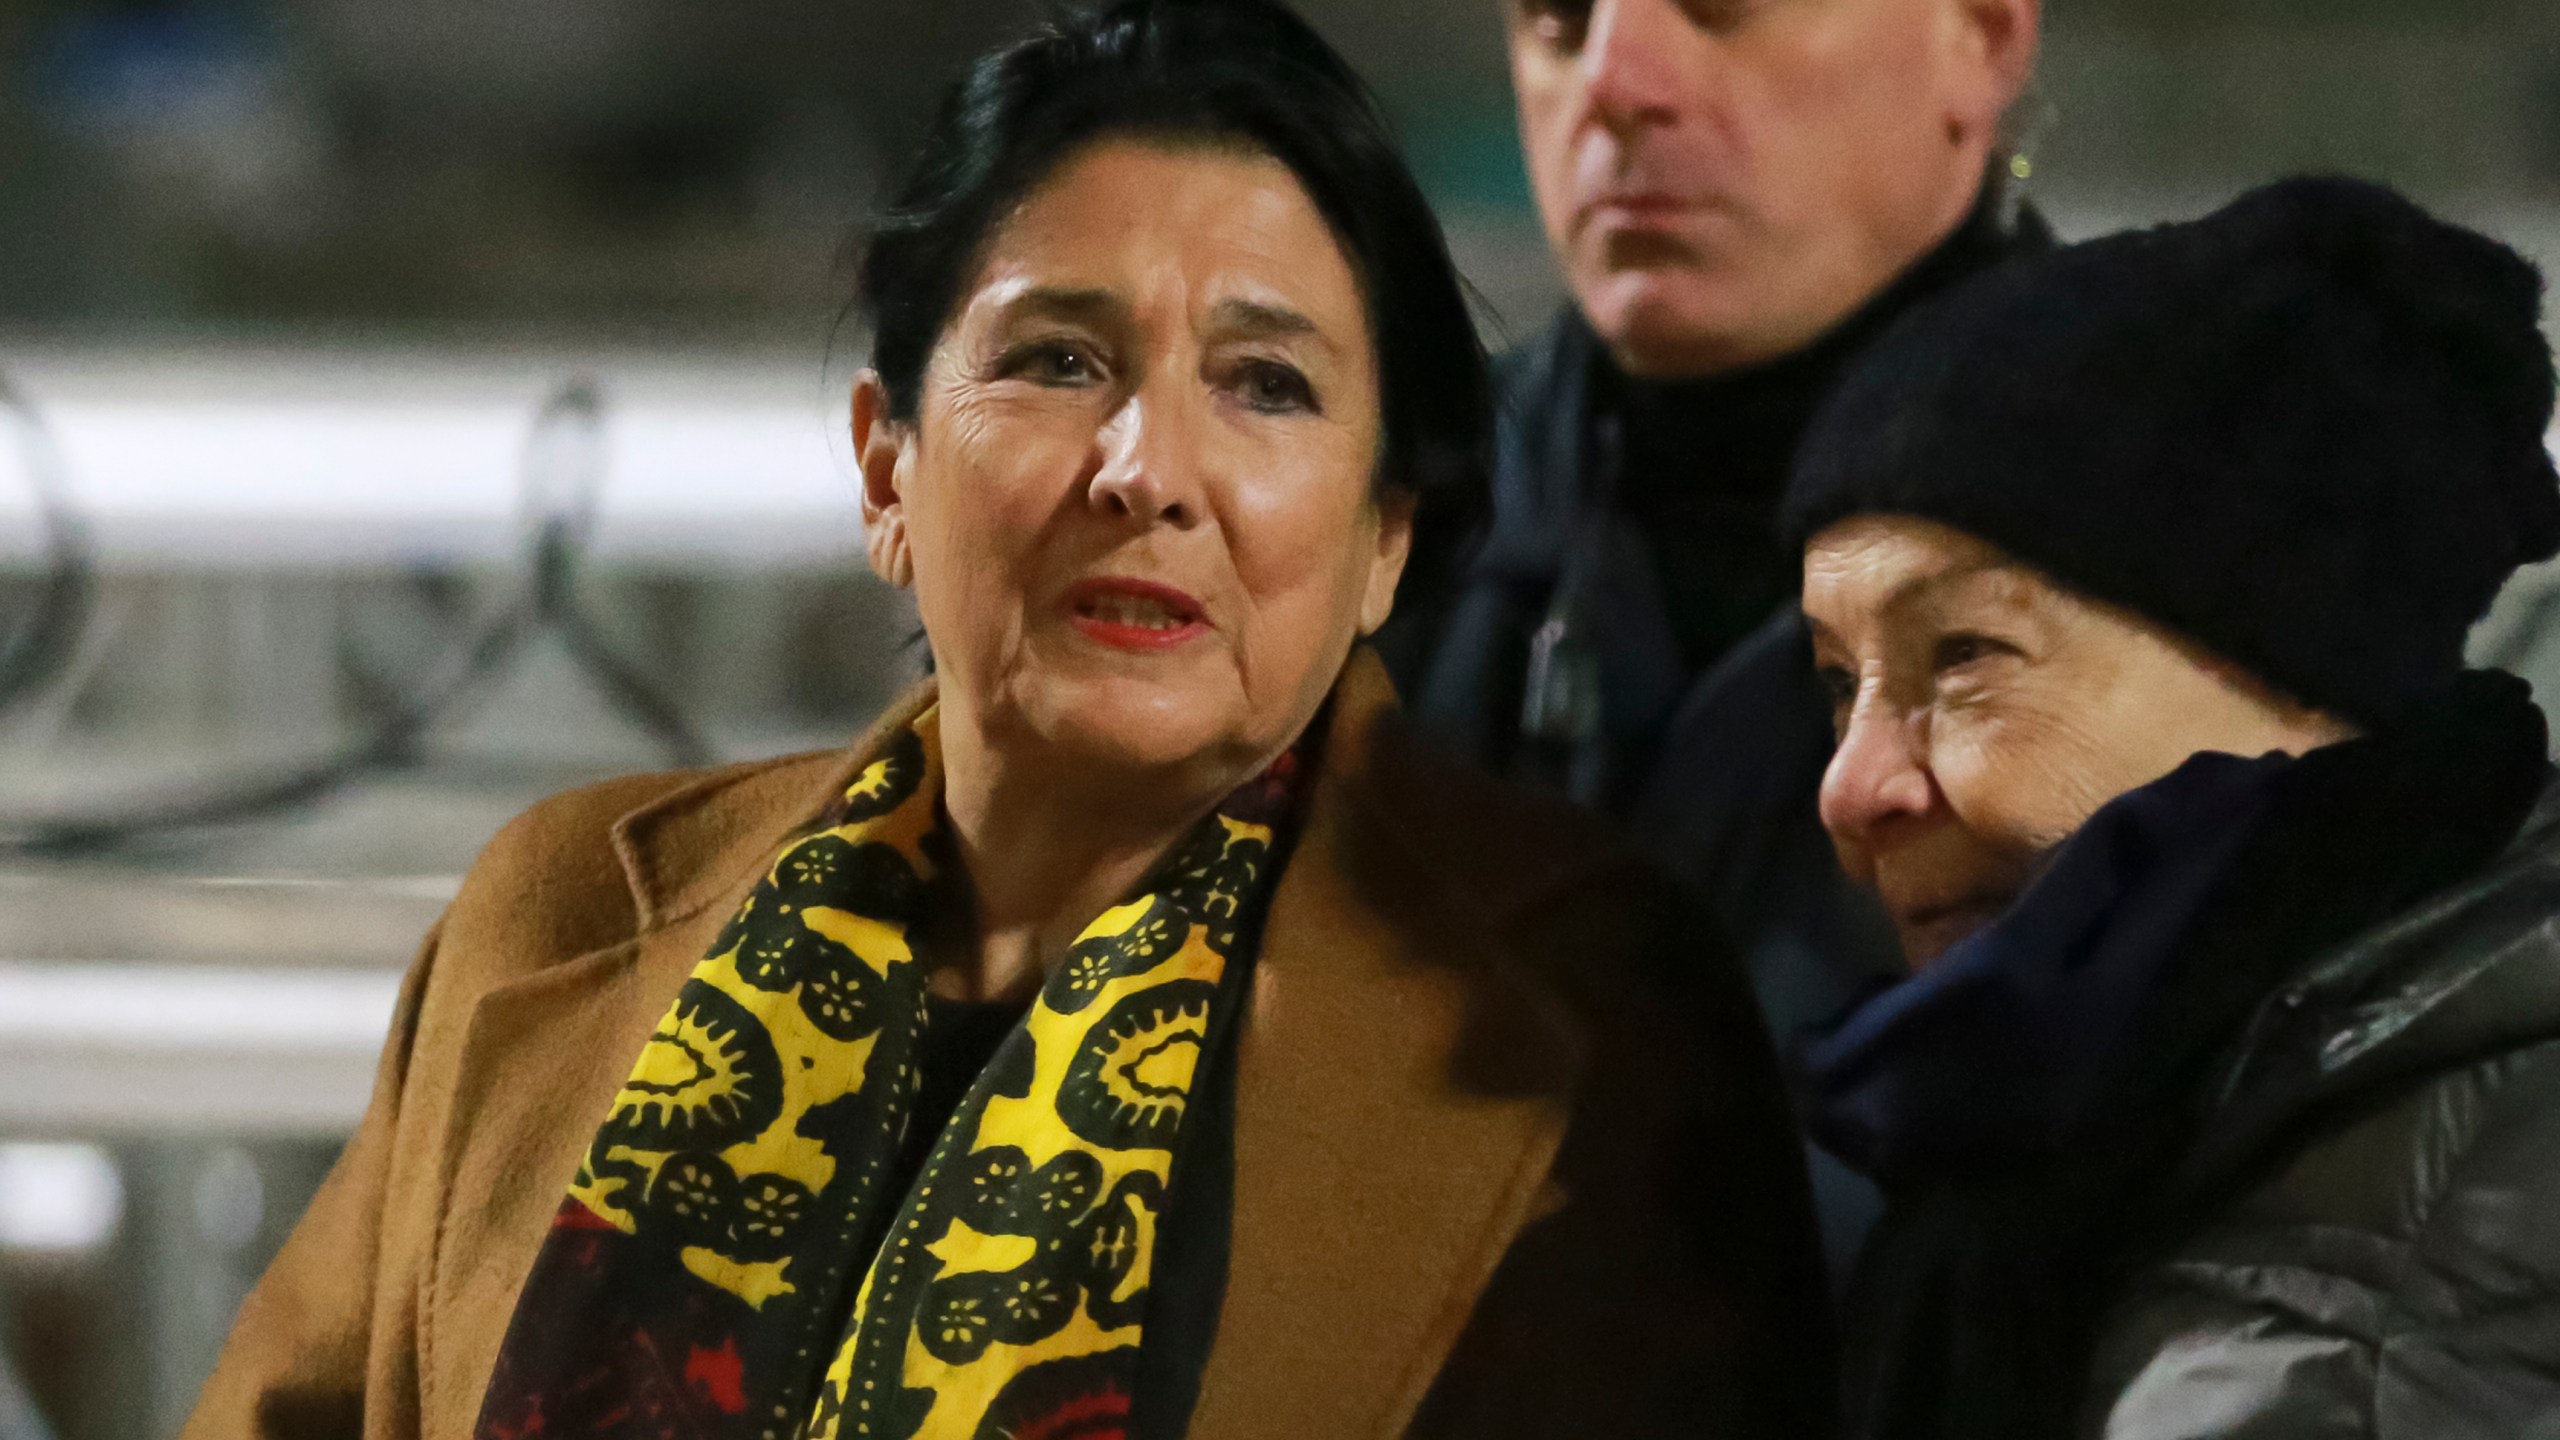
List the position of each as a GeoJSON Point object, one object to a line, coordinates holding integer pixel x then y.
{"type": "Point", "coordinates": [1243, 73]}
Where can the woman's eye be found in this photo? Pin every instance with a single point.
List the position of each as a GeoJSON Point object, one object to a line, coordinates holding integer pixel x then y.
{"type": "Point", "coordinates": [1956, 651]}
{"type": "Point", "coordinates": [1840, 687]}
{"type": "Point", "coordinates": [1051, 362]}
{"type": "Point", "coordinates": [1274, 388]}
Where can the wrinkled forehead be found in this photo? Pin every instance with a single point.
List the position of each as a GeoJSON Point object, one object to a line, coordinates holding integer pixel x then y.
{"type": "Point", "coordinates": [1231, 231]}
{"type": "Point", "coordinates": [1874, 571]}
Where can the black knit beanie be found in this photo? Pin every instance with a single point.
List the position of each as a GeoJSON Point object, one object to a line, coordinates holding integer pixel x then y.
{"type": "Point", "coordinates": [2306, 431]}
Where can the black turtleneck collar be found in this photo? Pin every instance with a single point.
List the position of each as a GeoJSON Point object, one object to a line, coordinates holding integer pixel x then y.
{"type": "Point", "coordinates": [1705, 461]}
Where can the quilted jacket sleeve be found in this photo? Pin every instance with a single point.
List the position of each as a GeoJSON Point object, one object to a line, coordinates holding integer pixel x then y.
{"type": "Point", "coordinates": [2285, 1354]}
{"type": "Point", "coordinates": [294, 1367]}
{"type": "Point", "coordinates": [2399, 1281]}
{"type": "Point", "coordinates": [2238, 1353]}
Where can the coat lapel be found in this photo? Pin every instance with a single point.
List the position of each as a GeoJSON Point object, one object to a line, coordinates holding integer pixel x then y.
{"type": "Point", "coordinates": [546, 1051]}
{"type": "Point", "coordinates": [543, 1058]}
{"type": "Point", "coordinates": [1399, 1104]}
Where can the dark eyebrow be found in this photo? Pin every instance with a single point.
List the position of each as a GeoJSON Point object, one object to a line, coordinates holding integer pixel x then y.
{"type": "Point", "coordinates": [1253, 320]}
{"type": "Point", "coordinates": [1055, 303]}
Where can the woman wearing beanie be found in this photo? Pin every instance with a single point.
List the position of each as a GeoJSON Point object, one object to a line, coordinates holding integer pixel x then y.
{"type": "Point", "coordinates": [2224, 1096]}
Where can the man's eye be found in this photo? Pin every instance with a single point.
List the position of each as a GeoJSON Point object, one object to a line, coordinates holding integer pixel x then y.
{"type": "Point", "coordinates": [1559, 24]}
{"type": "Point", "coordinates": [1275, 389]}
{"type": "Point", "coordinates": [1716, 15]}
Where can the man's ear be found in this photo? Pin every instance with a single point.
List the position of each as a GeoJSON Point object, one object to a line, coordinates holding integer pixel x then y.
{"type": "Point", "coordinates": [1997, 44]}
{"type": "Point", "coordinates": [880, 447]}
{"type": "Point", "coordinates": [1396, 506]}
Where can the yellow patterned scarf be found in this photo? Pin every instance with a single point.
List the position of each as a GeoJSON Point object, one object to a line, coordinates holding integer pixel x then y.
{"type": "Point", "coordinates": [735, 1257]}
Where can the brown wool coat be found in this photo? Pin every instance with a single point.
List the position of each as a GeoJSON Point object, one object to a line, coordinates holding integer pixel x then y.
{"type": "Point", "coordinates": [1511, 1157]}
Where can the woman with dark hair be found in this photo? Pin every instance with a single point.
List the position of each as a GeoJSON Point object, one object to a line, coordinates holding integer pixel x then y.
{"type": "Point", "coordinates": [1138, 1034]}
{"type": "Point", "coordinates": [2224, 1098]}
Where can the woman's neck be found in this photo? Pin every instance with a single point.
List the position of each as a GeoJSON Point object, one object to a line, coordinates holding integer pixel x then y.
{"type": "Point", "coordinates": [1043, 856]}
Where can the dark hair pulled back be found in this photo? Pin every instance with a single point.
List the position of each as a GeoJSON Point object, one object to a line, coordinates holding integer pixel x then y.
{"type": "Point", "coordinates": [1240, 72]}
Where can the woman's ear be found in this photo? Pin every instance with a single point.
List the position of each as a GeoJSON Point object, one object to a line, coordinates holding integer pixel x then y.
{"type": "Point", "coordinates": [1395, 546]}
{"type": "Point", "coordinates": [879, 452]}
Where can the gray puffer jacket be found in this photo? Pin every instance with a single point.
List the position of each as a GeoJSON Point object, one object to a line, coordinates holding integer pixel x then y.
{"type": "Point", "coordinates": [2383, 1253]}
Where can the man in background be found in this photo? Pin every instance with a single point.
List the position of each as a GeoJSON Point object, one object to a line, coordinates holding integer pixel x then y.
{"type": "Point", "coordinates": [1741, 194]}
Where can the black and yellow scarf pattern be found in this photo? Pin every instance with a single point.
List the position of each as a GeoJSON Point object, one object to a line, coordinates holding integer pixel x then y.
{"type": "Point", "coordinates": [734, 1257]}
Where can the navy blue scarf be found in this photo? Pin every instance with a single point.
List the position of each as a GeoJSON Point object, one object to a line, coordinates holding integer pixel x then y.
{"type": "Point", "coordinates": [2006, 1044]}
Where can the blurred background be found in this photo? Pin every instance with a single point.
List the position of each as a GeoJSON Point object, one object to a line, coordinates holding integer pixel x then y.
{"type": "Point", "coordinates": [418, 406]}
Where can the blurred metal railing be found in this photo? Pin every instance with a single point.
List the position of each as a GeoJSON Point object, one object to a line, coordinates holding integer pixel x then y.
{"type": "Point", "coordinates": [453, 608]}
{"type": "Point", "coordinates": [18, 1417]}
{"type": "Point", "coordinates": [38, 647]}
{"type": "Point", "coordinates": [560, 480]}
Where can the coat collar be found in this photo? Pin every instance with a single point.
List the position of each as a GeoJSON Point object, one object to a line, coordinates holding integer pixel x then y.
{"type": "Point", "coordinates": [1400, 1097]}
{"type": "Point", "coordinates": [691, 847]}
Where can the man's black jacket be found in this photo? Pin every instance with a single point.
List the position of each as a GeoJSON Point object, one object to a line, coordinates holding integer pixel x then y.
{"type": "Point", "coordinates": [1633, 523]}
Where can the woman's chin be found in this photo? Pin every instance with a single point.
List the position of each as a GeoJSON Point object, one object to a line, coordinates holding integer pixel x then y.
{"type": "Point", "coordinates": [1130, 723]}
{"type": "Point", "coordinates": [1928, 937]}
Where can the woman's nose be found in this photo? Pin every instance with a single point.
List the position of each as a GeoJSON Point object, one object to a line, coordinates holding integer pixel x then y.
{"type": "Point", "coordinates": [1879, 775]}
{"type": "Point", "coordinates": [1144, 474]}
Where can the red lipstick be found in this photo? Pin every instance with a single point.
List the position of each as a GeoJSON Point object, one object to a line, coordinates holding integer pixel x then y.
{"type": "Point", "coordinates": [1129, 614]}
